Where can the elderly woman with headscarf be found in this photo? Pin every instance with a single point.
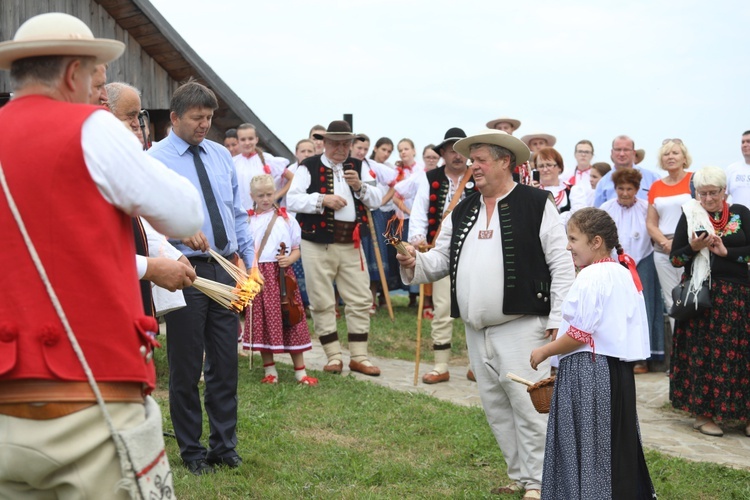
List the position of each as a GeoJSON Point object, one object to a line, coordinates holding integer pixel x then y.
{"type": "Point", "coordinates": [710, 374]}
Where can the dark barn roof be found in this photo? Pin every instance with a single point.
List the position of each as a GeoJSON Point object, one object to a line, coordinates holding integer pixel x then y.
{"type": "Point", "coordinates": [156, 60]}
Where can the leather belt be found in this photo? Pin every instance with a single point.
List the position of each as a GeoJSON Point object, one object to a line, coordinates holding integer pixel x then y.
{"type": "Point", "coordinates": [343, 232]}
{"type": "Point", "coordinates": [46, 399]}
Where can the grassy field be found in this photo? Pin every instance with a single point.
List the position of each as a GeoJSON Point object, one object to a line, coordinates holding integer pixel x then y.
{"type": "Point", "coordinates": [349, 439]}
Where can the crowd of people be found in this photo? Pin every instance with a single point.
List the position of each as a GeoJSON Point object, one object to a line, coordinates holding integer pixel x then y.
{"type": "Point", "coordinates": [577, 272]}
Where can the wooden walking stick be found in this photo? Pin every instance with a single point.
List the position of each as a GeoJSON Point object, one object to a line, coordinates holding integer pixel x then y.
{"type": "Point", "coordinates": [381, 271]}
{"type": "Point", "coordinates": [420, 308]}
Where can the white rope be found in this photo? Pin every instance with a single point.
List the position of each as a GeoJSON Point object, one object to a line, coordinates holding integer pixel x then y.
{"type": "Point", "coordinates": [127, 470]}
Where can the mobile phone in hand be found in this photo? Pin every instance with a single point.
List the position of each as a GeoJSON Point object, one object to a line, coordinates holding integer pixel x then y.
{"type": "Point", "coordinates": [535, 175]}
{"type": "Point", "coordinates": [700, 232]}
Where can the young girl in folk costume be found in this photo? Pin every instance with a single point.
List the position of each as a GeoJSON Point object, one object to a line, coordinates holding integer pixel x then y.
{"type": "Point", "coordinates": [269, 334]}
{"type": "Point", "coordinates": [593, 447]}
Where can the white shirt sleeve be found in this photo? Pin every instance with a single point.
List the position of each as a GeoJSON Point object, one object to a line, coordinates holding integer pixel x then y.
{"type": "Point", "coordinates": [559, 260]}
{"type": "Point", "coordinates": [418, 217]}
{"type": "Point", "coordinates": [136, 183]}
{"type": "Point", "coordinates": [158, 246]}
{"type": "Point", "coordinates": [298, 199]}
{"type": "Point", "coordinates": [141, 265]}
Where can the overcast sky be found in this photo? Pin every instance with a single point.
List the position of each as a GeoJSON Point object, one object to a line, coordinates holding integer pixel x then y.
{"type": "Point", "coordinates": [414, 68]}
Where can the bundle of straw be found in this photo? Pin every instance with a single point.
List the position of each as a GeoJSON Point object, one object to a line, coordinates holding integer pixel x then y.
{"type": "Point", "coordinates": [393, 235]}
{"type": "Point", "coordinates": [237, 297]}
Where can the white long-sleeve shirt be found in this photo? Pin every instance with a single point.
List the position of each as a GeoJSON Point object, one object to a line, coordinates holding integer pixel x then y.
{"type": "Point", "coordinates": [300, 201]}
{"type": "Point", "coordinates": [480, 280]}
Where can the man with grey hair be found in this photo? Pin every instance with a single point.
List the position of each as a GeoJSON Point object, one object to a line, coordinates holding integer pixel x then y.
{"type": "Point", "coordinates": [517, 308]}
{"type": "Point", "coordinates": [124, 101]}
{"type": "Point", "coordinates": [92, 178]}
{"type": "Point", "coordinates": [153, 251]}
{"type": "Point", "coordinates": [623, 156]}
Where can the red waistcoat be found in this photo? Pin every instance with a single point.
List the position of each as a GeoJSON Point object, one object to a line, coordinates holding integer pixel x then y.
{"type": "Point", "coordinates": [85, 244]}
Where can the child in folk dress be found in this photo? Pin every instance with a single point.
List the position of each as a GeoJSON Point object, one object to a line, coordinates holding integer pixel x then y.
{"type": "Point", "coordinates": [593, 447]}
{"type": "Point", "coordinates": [269, 334]}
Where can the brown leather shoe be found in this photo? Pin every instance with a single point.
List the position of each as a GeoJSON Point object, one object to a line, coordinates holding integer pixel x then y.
{"type": "Point", "coordinates": [356, 366]}
{"type": "Point", "coordinates": [434, 377]}
{"type": "Point", "coordinates": [470, 376]}
{"type": "Point", "coordinates": [640, 368]}
{"type": "Point", "coordinates": [336, 367]}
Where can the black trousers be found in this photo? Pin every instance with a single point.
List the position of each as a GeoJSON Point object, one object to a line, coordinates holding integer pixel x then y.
{"type": "Point", "coordinates": [203, 326]}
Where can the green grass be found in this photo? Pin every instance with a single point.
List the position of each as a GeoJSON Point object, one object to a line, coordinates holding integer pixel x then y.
{"type": "Point", "coordinates": [349, 439]}
{"type": "Point", "coordinates": [398, 339]}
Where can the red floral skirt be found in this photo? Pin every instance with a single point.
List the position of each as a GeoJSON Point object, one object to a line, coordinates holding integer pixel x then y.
{"type": "Point", "coordinates": [264, 328]}
{"type": "Point", "coordinates": [710, 373]}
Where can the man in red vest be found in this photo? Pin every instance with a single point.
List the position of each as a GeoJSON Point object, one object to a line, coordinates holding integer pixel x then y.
{"type": "Point", "coordinates": [75, 193]}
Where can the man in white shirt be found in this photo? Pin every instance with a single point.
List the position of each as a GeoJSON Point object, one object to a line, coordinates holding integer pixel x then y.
{"type": "Point", "coordinates": [331, 196]}
{"type": "Point", "coordinates": [738, 175]}
{"type": "Point", "coordinates": [504, 250]}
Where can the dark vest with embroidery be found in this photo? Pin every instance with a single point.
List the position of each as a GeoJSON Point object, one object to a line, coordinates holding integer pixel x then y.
{"type": "Point", "coordinates": [319, 227]}
{"type": "Point", "coordinates": [527, 277]}
{"type": "Point", "coordinates": [439, 187]}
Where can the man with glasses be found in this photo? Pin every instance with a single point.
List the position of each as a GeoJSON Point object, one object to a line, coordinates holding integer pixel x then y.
{"type": "Point", "coordinates": [738, 175]}
{"type": "Point", "coordinates": [332, 199]}
{"type": "Point", "coordinates": [584, 153]}
{"type": "Point", "coordinates": [623, 156]}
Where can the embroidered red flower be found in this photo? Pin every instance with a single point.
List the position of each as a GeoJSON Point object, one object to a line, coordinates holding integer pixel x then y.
{"type": "Point", "coordinates": [431, 221]}
{"type": "Point", "coordinates": [433, 210]}
{"type": "Point", "coordinates": [323, 190]}
{"type": "Point", "coordinates": [433, 197]}
{"type": "Point", "coordinates": [323, 224]}
{"type": "Point", "coordinates": [322, 170]}
{"type": "Point", "coordinates": [433, 233]}
{"type": "Point", "coordinates": [364, 218]}
{"type": "Point", "coordinates": [435, 185]}
{"type": "Point", "coordinates": [322, 178]}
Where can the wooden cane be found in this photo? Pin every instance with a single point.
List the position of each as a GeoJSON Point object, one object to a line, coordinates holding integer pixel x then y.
{"type": "Point", "coordinates": [381, 271]}
{"type": "Point", "coordinates": [420, 308]}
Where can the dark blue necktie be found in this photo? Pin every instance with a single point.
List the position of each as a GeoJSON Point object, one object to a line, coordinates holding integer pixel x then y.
{"type": "Point", "coordinates": [217, 225]}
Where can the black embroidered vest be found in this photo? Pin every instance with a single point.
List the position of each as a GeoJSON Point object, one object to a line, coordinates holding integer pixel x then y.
{"type": "Point", "coordinates": [439, 187]}
{"type": "Point", "coordinates": [319, 227]}
{"type": "Point", "coordinates": [527, 277]}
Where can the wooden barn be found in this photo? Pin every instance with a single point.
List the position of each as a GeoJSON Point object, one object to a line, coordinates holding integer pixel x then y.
{"type": "Point", "coordinates": [156, 60]}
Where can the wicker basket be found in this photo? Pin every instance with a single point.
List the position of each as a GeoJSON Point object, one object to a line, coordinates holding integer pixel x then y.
{"type": "Point", "coordinates": [541, 394]}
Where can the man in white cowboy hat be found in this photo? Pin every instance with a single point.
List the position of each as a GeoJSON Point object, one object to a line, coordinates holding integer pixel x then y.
{"type": "Point", "coordinates": [507, 237]}
{"type": "Point", "coordinates": [508, 125]}
{"type": "Point", "coordinates": [434, 196]}
{"type": "Point", "coordinates": [537, 141]}
{"type": "Point", "coordinates": [331, 197]}
{"type": "Point", "coordinates": [75, 193]}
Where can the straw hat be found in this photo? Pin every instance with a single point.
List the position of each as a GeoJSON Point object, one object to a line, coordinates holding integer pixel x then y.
{"type": "Point", "coordinates": [338, 130]}
{"type": "Point", "coordinates": [498, 138]}
{"type": "Point", "coordinates": [512, 121]}
{"type": "Point", "coordinates": [57, 34]}
{"type": "Point", "coordinates": [549, 138]}
{"type": "Point", "coordinates": [453, 134]}
{"type": "Point", "coordinates": [640, 154]}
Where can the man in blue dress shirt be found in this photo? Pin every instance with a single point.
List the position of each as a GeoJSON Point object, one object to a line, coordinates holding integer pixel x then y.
{"type": "Point", "coordinates": [204, 326]}
{"type": "Point", "coordinates": [623, 156]}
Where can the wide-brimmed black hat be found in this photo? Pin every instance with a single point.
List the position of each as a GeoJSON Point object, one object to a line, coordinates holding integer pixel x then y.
{"type": "Point", "coordinates": [338, 130]}
{"type": "Point", "coordinates": [452, 135]}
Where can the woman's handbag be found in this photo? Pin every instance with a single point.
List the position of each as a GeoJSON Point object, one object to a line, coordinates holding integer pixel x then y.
{"type": "Point", "coordinates": [689, 305]}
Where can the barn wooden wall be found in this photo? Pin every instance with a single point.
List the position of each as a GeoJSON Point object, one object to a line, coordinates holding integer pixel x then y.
{"type": "Point", "coordinates": [134, 66]}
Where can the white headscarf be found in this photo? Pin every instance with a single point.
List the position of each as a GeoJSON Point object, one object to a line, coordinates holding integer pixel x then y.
{"type": "Point", "coordinates": [697, 219]}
